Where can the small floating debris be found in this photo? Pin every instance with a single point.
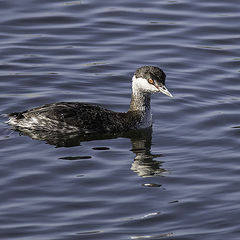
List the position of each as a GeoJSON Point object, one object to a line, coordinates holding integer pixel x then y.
{"type": "Point", "coordinates": [151, 185]}
{"type": "Point", "coordinates": [101, 148]}
{"type": "Point", "coordinates": [75, 158]}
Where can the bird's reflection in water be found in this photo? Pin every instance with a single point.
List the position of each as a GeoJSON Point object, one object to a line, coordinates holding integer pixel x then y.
{"type": "Point", "coordinates": [144, 163]}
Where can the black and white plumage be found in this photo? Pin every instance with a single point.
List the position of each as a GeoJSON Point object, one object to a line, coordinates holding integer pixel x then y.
{"type": "Point", "coordinates": [66, 117]}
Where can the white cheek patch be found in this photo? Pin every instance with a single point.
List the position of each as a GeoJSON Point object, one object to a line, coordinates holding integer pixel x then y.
{"type": "Point", "coordinates": [141, 84]}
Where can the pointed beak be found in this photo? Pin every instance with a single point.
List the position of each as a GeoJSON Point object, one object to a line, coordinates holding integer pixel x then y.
{"type": "Point", "coordinates": [164, 90]}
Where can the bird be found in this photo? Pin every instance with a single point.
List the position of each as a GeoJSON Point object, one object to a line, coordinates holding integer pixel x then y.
{"type": "Point", "coordinates": [83, 118]}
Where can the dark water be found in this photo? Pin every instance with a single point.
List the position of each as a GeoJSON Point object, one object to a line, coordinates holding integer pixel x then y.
{"type": "Point", "coordinates": [179, 182]}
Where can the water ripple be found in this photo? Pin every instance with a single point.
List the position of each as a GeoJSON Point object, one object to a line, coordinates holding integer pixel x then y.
{"type": "Point", "coordinates": [180, 181]}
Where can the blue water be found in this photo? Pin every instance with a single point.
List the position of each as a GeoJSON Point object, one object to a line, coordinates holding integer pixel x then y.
{"type": "Point", "coordinates": [180, 181]}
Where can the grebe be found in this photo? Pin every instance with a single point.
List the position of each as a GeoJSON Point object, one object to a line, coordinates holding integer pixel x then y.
{"type": "Point", "coordinates": [67, 117]}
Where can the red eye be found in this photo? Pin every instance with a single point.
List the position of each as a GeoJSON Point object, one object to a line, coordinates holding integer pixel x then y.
{"type": "Point", "coordinates": [150, 81]}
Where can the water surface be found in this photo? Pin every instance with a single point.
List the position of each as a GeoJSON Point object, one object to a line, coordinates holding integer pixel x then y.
{"type": "Point", "coordinates": [180, 181]}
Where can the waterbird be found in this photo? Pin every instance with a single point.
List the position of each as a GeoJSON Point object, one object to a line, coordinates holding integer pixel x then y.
{"type": "Point", "coordinates": [69, 117]}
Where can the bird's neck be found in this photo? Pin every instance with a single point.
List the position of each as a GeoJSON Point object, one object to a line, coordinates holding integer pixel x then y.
{"type": "Point", "coordinates": [140, 102]}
